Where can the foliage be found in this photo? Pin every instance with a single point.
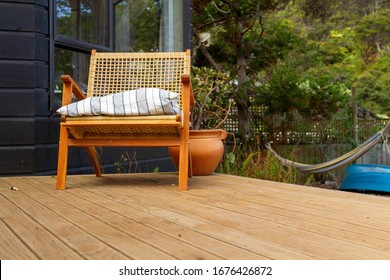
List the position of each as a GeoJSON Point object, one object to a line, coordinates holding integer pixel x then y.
{"type": "Point", "coordinates": [237, 30]}
{"type": "Point", "coordinates": [374, 31]}
{"type": "Point", "coordinates": [261, 165]}
{"type": "Point", "coordinates": [373, 86]}
{"type": "Point", "coordinates": [300, 61]}
{"type": "Point", "coordinates": [212, 89]}
{"type": "Point", "coordinates": [127, 164]}
{"type": "Point", "coordinates": [343, 47]}
{"type": "Point", "coordinates": [298, 56]}
{"type": "Point", "coordinates": [371, 80]}
{"type": "Point", "coordinates": [314, 97]}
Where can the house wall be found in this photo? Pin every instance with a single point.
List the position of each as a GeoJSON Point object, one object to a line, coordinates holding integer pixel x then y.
{"type": "Point", "coordinates": [24, 85]}
{"type": "Point", "coordinates": [29, 131]}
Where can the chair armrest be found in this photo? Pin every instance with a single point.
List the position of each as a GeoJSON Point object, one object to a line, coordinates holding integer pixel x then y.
{"type": "Point", "coordinates": [70, 87]}
{"type": "Point", "coordinates": [186, 80]}
{"type": "Point", "coordinates": [187, 99]}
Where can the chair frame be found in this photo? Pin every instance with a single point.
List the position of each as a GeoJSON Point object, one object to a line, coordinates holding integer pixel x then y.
{"type": "Point", "coordinates": [177, 126]}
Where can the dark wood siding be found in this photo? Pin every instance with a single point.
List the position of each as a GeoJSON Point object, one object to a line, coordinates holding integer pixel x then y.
{"type": "Point", "coordinates": [24, 83]}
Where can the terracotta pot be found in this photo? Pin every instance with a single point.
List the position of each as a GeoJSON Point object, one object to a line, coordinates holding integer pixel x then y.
{"type": "Point", "coordinates": [206, 150]}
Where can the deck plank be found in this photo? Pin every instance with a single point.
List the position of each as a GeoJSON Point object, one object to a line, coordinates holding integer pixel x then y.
{"type": "Point", "coordinates": [284, 213]}
{"type": "Point", "coordinates": [144, 216]}
{"type": "Point", "coordinates": [253, 226]}
{"type": "Point", "coordinates": [296, 198]}
{"type": "Point", "coordinates": [139, 231]}
{"type": "Point", "coordinates": [11, 247]}
{"type": "Point", "coordinates": [43, 243]}
{"type": "Point", "coordinates": [69, 233]}
{"type": "Point", "coordinates": [62, 202]}
{"type": "Point", "coordinates": [219, 234]}
{"type": "Point", "coordinates": [265, 229]}
{"type": "Point", "coordinates": [200, 241]}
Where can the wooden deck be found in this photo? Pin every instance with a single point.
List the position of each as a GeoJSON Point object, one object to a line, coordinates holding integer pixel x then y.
{"type": "Point", "coordinates": [144, 216]}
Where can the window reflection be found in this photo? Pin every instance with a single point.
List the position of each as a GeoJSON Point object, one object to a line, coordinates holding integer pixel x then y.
{"type": "Point", "coordinates": [171, 25]}
{"type": "Point", "coordinates": [136, 25]}
{"type": "Point", "coordinates": [148, 25]}
{"type": "Point", "coordinates": [70, 63]}
{"type": "Point", "coordinates": [84, 20]}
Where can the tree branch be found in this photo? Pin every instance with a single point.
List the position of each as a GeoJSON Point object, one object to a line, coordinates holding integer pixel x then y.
{"type": "Point", "coordinates": [206, 53]}
{"type": "Point", "coordinates": [214, 22]}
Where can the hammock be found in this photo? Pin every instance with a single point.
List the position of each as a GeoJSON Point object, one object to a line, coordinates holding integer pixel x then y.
{"type": "Point", "coordinates": [337, 162]}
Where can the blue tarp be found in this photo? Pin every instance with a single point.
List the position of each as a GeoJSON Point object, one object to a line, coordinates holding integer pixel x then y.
{"type": "Point", "coordinates": [367, 177]}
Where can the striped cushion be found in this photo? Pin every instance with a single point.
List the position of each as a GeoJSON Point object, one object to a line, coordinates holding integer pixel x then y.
{"type": "Point", "coordinates": [139, 102]}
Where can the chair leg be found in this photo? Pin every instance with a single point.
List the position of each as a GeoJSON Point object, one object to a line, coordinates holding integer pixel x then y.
{"type": "Point", "coordinates": [189, 161]}
{"type": "Point", "coordinates": [95, 161]}
{"type": "Point", "coordinates": [183, 163]}
{"type": "Point", "coordinates": [62, 158]}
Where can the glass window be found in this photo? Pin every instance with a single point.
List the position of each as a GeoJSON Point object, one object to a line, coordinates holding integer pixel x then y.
{"type": "Point", "coordinates": [83, 20]}
{"type": "Point", "coordinates": [136, 25]}
{"type": "Point", "coordinates": [171, 25]}
{"type": "Point", "coordinates": [148, 25]}
{"type": "Point", "coordinates": [70, 63]}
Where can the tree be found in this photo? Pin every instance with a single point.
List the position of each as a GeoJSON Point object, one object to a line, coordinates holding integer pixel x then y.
{"type": "Point", "coordinates": [373, 86]}
{"type": "Point", "coordinates": [300, 55]}
{"type": "Point", "coordinates": [373, 31]}
{"type": "Point", "coordinates": [350, 47]}
{"type": "Point", "coordinates": [237, 30]}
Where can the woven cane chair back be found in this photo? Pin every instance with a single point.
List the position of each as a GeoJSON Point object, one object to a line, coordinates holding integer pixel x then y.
{"type": "Point", "coordinates": [118, 72]}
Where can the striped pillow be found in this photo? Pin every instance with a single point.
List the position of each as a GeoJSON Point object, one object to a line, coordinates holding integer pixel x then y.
{"type": "Point", "coordinates": [139, 102]}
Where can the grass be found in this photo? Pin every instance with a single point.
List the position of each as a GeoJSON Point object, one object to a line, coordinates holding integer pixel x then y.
{"type": "Point", "coordinates": [261, 164]}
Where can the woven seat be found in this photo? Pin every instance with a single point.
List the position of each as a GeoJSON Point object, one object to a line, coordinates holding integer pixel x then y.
{"type": "Point", "coordinates": [112, 73]}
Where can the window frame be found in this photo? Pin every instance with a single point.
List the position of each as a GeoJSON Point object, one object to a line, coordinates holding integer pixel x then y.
{"type": "Point", "coordinates": [63, 42]}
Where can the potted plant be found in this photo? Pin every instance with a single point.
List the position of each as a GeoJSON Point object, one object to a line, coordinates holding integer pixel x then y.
{"type": "Point", "coordinates": [211, 90]}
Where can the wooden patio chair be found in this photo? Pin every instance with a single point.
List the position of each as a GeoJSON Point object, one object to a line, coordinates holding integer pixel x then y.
{"type": "Point", "coordinates": [111, 73]}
